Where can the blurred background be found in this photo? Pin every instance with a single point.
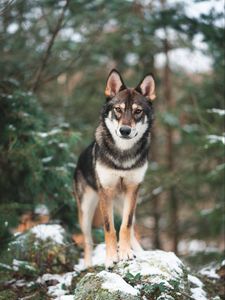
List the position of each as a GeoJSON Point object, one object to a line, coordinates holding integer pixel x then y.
{"type": "Point", "coordinates": [54, 61]}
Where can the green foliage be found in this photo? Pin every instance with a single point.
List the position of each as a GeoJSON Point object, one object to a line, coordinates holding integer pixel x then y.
{"type": "Point", "coordinates": [170, 288]}
{"type": "Point", "coordinates": [35, 160]}
{"type": "Point", "coordinates": [35, 256]}
{"type": "Point", "coordinates": [132, 279]}
{"type": "Point", "coordinates": [36, 163]}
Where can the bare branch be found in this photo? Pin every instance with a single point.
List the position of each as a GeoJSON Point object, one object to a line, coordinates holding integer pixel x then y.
{"type": "Point", "coordinates": [46, 56]}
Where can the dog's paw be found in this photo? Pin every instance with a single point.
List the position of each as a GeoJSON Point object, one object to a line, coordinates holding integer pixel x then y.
{"type": "Point", "coordinates": [126, 254]}
{"type": "Point", "coordinates": [111, 261]}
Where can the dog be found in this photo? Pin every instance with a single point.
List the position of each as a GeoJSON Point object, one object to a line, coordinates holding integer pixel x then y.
{"type": "Point", "coordinates": [111, 169]}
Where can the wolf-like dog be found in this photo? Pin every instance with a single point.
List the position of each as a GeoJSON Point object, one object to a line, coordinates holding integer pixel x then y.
{"type": "Point", "coordinates": [112, 168]}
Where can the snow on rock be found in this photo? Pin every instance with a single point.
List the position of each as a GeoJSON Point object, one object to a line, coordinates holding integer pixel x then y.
{"type": "Point", "coordinates": [197, 290]}
{"type": "Point", "coordinates": [114, 282]}
{"type": "Point", "coordinates": [164, 296]}
{"type": "Point", "coordinates": [65, 297]}
{"type": "Point", "coordinates": [47, 248]}
{"type": "Point", "coordinates": [158, 265]}
{"type": "Point", "coordinates": [54, 232]}
{"type": "Point", "coordinates": [150, 273]}
{"type": "Point", "coordinates": [104, 286]}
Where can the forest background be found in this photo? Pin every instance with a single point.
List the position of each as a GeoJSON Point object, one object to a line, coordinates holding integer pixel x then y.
{"type": "Point", "coordinates": [55, 58]}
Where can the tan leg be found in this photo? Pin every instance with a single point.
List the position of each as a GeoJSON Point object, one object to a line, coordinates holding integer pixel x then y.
{"type": "Point", "coordinates": [106, 205]}
{"type": "Point", "coordinates": [88, 206]}
{"type": "Point", "coordinates": [135, 245]}
{"type": "Point", "coordinates": [126, 229]}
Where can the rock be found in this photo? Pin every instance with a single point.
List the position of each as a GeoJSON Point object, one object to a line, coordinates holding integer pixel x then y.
{"type": "Point", "coordinates": [151, 275]}
{"type": "Point", "coordinates": [44, 248]}
{"type": "Point", "coordinates": [103, 286]}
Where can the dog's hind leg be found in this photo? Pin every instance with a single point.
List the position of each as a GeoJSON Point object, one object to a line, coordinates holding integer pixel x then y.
{"type": "Point", "coordinates": [89, 203]}
{"type": "Point", "coordinates": [135, 245]}
{"type": "Point", "coordinates": [106, 204]}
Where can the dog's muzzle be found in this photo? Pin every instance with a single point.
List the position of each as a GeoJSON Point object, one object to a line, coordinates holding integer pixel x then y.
{"type": "Point", "coordinates": [125, 131]}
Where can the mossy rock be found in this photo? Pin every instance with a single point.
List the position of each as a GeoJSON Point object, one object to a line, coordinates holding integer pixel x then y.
{"type": "Point", "coordinates": [156, 275]}
{"type": "Point", "coordinates": [104, 286]}
{"type": "Point", "coordinates": [157, 272]}
{"type": "Point", "coordinates": [44, 248]}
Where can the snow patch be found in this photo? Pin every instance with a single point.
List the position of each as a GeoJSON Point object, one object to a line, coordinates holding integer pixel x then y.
{"type": "Point", "coordinates": [164, 296]}
{"type": "Point", "coordinates": [216, 138]}
{"type": "Point", "coordinates": [58, 290]}
{"type": "Point", "coordinates": [98, 258]}
{"type": "Point", "coordinates": [114, 282]}
{"type": "Point", "coordinates": [158, 264]}
{"type": "Point", "coordinates": [63, 145]}
{"type": "Point", "coordinates": [220, 112]}
{"type": "Point", "coordinates": [47, 159]}
{"type": "Point", "coordinates": [49, 133]}
{"type": "Point", "coordinates": [157, 191]}
{"type": "Point", "coordinates": [65, 297]}
{"type": "Point", "coordinates": [197, 290]}
{"type": "Point", "coordinates": [198, 294]}
{"type": "Point", "coordinates": [16, 264]}
{"type": "Point", "coordinates": [195, 246]}
{"type": "Point", "coordinates": [210, 272]}
{"type": "Point", "coordinates": [53, 232]}
{"type": "Point", "coordinates": [41, 209]}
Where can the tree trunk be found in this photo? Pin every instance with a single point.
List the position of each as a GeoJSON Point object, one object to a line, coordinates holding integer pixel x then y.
{"type": "Point", "coordinates": [170, 104]}
{"type": "Point", "coordinates": [156, 198]}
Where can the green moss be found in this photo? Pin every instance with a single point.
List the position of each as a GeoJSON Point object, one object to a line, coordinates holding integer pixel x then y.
{"type": "Point", "coordinates": [8, 295]}
{"type": "Point", "coordinates": [89, 288]}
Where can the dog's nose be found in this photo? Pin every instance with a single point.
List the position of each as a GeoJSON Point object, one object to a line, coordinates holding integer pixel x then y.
{"type": "Point", "coordinates": [125, 130]}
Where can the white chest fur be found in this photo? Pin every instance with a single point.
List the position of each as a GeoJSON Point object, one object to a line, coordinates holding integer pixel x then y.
{"type": "Point", "coordinates": [110, 177]}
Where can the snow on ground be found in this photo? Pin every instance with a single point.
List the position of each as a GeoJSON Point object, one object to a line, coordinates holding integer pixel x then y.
{"type": "Point", "coordinates": [210, 272]}
{"type": "Point", "coordinates": [54, 232]}
{"type": "Point", "coordinates": [197, 290]}
{"type": "Point", "coordinates": [114, 282]}
{"type": "Point", "coordinates": [195, 246]}
{"type": "Point", "coordinates": [58, 290]}
{"type": "Point", "coordinates": [98, 258]}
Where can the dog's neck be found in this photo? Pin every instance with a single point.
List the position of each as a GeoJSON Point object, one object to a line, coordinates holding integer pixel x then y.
{"type": "Point", "coordinates": [119, 154]}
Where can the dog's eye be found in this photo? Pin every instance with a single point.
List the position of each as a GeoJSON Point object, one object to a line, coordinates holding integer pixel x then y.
{"type": "Point", "coordinates": [118, 109]}
{"type": "Point", "coordinates": [138, 111]}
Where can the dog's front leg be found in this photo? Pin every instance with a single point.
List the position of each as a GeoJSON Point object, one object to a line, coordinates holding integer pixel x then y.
{"type": "Point", "coordinates": [125, 251]}
{"type": "Point", "coordinates": [106, 205]}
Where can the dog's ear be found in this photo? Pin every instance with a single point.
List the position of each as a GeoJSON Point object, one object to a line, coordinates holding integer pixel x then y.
{"type": "Point", "coordinates": [114, 84]}
{"type": "Point", "coordinates": [147, 87]}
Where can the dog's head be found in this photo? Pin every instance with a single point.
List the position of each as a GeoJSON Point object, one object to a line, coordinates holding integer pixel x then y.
{"type": "Point", "coordinates": [128, 111]}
